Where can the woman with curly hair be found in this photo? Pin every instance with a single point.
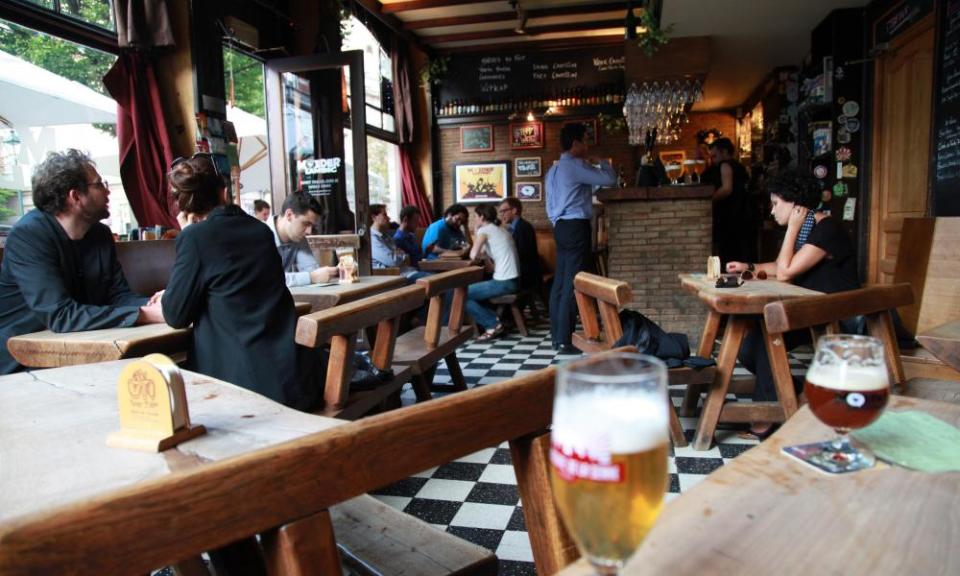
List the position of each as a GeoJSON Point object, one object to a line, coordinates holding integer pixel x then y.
{"type": "Point", "coordinates": [228, 281]}
{"type": "Point", "coordinates": [816, 254]}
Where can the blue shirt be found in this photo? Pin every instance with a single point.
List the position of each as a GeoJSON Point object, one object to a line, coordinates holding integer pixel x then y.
{"type": "Point", "coordinates": [442, 235]}
{"type": "Point", "coordinates": [407, 241]}
{"type": "Point", "coordinates": [570, 185]}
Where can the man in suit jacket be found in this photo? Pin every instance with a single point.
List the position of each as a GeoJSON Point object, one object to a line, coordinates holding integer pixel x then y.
{"type": "Point", "coordinates": [525, 237]}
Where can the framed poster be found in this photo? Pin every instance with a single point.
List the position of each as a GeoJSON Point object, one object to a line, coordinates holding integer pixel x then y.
{"type": "Point", "coordinates": [528, 167]}
{"type": "Point", "coordinates": [478, 182]}
{"type": "Point", "coordinates": [526, 135]}
{"type": "Point", "coordinates": [528, 191]}
{"type": "Point", "coordinates": [590, 134]}
{"type": "Point", "coordinates": [476, 138]}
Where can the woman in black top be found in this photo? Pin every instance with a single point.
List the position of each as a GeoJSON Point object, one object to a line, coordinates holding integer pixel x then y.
{"type": "Point", "coordinates": [735, 218]}
{"type": "Point", "coordinates": [227, 281]}
{"type": "Point", "coordinates": [816, 254]}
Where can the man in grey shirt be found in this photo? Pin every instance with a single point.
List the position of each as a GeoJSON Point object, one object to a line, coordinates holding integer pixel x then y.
{"type": "Point", "coordinates": [298, 215]}
{"type": "Point", "coordinates": [384, 252]}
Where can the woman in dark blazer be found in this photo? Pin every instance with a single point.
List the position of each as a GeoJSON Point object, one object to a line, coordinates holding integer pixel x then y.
{"type": "Point", "coordinates": [228, 282]}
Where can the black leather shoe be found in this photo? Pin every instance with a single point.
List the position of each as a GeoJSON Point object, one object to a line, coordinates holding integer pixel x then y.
{"type": "Point", "coordinates": [568, 350]}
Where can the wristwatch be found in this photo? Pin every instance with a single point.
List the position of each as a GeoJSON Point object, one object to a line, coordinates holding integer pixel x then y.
{"type": "Point", "coordinates": [751, 266]}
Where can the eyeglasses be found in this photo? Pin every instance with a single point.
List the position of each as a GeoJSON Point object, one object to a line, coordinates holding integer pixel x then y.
{"type": "Point", "coordinates": [502, 210]}
{"type": "Point", "coordinates": [103, 184]}
{"type": "Point", "coordinates": [207, 155]}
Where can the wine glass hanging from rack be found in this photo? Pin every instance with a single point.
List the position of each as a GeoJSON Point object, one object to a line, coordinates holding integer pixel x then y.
{"type": "Point", "coordinates": [660, 105]}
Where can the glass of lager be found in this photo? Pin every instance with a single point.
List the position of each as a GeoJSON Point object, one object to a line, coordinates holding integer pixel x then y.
{"type": "Point", "coordinates": [847, 388]}
{"type": "Point", "coordinates": [609, 446]}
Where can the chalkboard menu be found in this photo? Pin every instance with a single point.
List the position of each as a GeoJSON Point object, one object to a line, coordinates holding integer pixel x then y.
{"type": "Point", "coordinates": [519, 74]}
{"type": "Point", "coordinates": [946, 127]}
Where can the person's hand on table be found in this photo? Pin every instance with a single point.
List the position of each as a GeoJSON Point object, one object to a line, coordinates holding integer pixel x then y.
{"type": "Point", "coordinates": [735, 267]}
{"type": "Point", "coordinates": [797, 217]}
{"type": "Point", "coordinates": [155, 299]}
{"type": "Point", "coordinates": [323, 274]}
{"type": "Point", "coordinates": [151, 314]}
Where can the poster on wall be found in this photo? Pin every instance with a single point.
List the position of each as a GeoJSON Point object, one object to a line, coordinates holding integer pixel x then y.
{"type": "Point", "coordinates": [526, 135]}
{"type": "Point", "coordinates": [319, 176]}
{"type": "Point", "coordinates": [474, 183]}
{"type": "Point", "coordinates": [528, 167]}
{"type": "Point", "coordinates": [529, 191]}
{"type": "Point", "coordinates": [477, 138]}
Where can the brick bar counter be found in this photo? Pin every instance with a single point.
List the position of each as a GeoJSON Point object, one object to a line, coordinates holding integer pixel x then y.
{"type": "Point", "coordinates": [653, 235]}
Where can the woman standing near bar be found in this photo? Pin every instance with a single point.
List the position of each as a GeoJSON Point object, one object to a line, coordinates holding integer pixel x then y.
{"type": "Point", "coordinates": [816, 254]}
{"type": "Point", "coordinates": [227, 281]}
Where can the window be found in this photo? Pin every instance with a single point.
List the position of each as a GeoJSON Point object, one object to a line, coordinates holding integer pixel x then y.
{"type": "Point", "coordinates": [383, 170]}
{"type": "Point", "coordinates": [378, 75]}
{"type": "Point", "coordinates": [97, 13]}
{"type": "Point", "coordinates": [52, 98]}
{"type": "Point", "coordinates": [246, 109]}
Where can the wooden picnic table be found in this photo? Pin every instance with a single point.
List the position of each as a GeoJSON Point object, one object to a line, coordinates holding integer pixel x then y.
{"type": "Point", "coordinates": [54, 424]}
{"type": "Point", "coordinates": [944, 343]}
{"type": "Point", "coordinates": [741, 307]}
{"type": "Point", "coordinates": [49, 349]}
{"type": "Point", "coordinates": [323, 296]}
{"type": "Point", "coordinates": [444, 264]}
{"type": "Point", "coordinates": [766, 513]}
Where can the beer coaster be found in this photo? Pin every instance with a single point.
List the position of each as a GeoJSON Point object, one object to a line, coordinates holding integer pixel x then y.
{"type": "Point", "coordinates": [814, 456]}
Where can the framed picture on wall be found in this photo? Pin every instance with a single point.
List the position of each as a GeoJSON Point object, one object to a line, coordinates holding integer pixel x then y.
{"type": "Point", "coordinates": [476, 138]}
{"type": "Point", "coordinates": [528, 167]}
{"type": "Point", "coordinates": [477, 182]}
{"type": "Point", "coordinates": [526, 135]}
{"type": "Point", "coordinates": [528, 191]}
{"type": "Point", "coordinates": [590, 134]}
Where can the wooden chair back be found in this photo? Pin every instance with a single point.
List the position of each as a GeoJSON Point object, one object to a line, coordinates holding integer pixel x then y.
{"type": "Point", "coordinates": [147, 264]}
{"type": "Point", "coordinates": [207, 507]}
{"type": "Point", "coordinates": [434, 288]}
{"type": "Point", "coordinates": [547, 248]}
{"type": "Point", "coordinates": [326, 247]}
{"type": "Point", "coordinates": [603, 297]}
{"type": "Point", "coordinates": [821, 314]}
{"type": "Point", "coordinates": [929, 259]}
{"type": "Point", "coordinates": [339, 326]}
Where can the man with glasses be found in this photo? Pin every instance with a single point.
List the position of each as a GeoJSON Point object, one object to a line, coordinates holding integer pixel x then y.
{"type": "Point", "coordinates": [60, 270]}
{"type": "Point", "coordinates": [525, 237]}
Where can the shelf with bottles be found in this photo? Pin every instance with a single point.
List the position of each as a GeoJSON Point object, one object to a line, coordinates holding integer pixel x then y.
{"type": "Point", "coordinates": [560, 103]}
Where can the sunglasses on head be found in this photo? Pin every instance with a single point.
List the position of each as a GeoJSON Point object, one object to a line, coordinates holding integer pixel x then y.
{"type": "Point", "coordinates": [206, 155]}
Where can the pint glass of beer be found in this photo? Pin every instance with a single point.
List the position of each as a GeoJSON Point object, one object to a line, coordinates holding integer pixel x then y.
{"type": "Point", "coordinates": [847, 388]}
{"type": "Point", "coordinates": [609, 446]}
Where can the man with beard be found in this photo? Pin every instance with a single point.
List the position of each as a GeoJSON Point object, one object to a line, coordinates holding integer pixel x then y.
{"type": "Point", "coordinates": [60, 270]}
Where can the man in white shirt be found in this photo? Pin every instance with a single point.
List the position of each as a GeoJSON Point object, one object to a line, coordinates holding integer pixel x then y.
{"type": "Point", "coordinates": [298, 215]}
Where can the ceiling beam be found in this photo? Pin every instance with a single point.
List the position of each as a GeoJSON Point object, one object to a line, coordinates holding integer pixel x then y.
{"type": "Point", "coordinates": [424, 4]}
{"type": "Point", "coordinates": [511, 15]}
{"type": "Point", "coordinates": [375, 8]}
{"type": "Point", "coordinates": [530, 31]}
{"type": "Point", "coordinates": [536, 44]}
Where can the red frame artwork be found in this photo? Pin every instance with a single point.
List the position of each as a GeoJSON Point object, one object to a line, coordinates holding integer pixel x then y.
{"type": "Point", "coordinates": [526, 135]}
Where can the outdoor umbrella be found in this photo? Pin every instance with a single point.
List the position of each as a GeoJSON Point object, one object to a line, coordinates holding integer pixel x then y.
{"type": "Point", "coordinates": [31, 96]}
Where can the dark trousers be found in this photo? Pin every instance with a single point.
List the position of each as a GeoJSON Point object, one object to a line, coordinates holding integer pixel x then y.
{"type": "Point", "coordinates": [753, 356]}
{"type": "Point", "coordinates": [573, 256]}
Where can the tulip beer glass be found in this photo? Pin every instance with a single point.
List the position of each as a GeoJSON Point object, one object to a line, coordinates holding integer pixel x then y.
{"type": "Point", "coordinates": [608, 454]}
{"type": "Point", "coordinates": [847, 388]}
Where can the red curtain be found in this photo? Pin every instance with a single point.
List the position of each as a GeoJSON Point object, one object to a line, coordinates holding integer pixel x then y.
{"type": "Point", "coordinates": [144, 144]}
{"type": "Point", "coordinates": [413, 193]}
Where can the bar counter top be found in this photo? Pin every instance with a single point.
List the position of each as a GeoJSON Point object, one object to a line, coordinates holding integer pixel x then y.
{"type": "Point", "coordinates": [682, 192]}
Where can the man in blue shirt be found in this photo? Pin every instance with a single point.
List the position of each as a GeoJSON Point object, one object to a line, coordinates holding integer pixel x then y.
{"type": "Point", "coordinates": [384, 252]}
{"type": "Point", "coordinates": [405, 237]}
{"type": "Point", "coordinates": [570, 185]}
{"type": "Point", "coordinates": [447, 235]}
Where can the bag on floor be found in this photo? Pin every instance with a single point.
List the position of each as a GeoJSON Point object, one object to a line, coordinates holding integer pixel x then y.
{"type": "Point", "coordinates": [649, 338]}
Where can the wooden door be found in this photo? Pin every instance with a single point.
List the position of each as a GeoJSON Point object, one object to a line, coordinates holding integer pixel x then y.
{"type": "Point", "coordinates": [901, 146]}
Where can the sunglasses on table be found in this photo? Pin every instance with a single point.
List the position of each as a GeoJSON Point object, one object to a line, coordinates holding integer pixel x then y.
{"type": "Point", "coordinates": [734, 280]}
{"type": "Point", "coordinates": [206, 155]}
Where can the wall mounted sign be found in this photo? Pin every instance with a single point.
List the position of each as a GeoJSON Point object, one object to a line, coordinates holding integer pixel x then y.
{"type": "Point", "coordinates": [477, 138]}
{"type": "Point", "coordinates": [528, 191]}
{"type": "Point", "coordinates": [526, 135]}
{"type": "Point", "coordinates": [478, 182]}
{"type": "Point", "coordinates": [319, 176]}
{"type": "Point", "coordinates": [528, 167]}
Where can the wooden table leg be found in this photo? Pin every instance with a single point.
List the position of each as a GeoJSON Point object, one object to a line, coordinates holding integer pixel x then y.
{"type": "Point", "coordinates": [780, 369]}
{"type": "Point", "coordinates": [691, 396]}
{"type": "Point", "coordinates": [729, 348]}
{"type": "Point", "coordinates": [306, 546]}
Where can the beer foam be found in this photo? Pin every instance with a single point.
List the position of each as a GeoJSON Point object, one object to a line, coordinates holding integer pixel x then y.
{"type": "Point", "coordinates": [607, 420]}
{"type": "Point", "coordinates": [848, 378]}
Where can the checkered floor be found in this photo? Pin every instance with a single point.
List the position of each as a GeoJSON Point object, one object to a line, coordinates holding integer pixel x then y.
{"type": "Point", "coordinates": [476, 497]}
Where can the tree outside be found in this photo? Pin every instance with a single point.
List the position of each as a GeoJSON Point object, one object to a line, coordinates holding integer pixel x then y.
{"type": "Point", "coordinates": [243, 78]}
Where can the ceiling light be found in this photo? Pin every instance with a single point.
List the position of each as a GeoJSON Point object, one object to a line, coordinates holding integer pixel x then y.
{"type": "Point", "coordinates": [530, 117]}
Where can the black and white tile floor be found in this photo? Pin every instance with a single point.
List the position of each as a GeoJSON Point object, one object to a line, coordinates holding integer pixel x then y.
{"type": "Point", "coordinates": [476, 497]}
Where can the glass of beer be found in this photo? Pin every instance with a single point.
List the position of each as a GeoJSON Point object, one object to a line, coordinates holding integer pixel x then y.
{"type": "Point", "coordinates": [674, 172]}
{"type": "Point", "coordinates": [847, 388]}
{"type": "Point", "coordinates": [698, 167]}
{"type": "Point", "coordinates": [609, 447]}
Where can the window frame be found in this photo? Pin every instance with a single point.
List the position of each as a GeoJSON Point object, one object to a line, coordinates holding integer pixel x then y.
{"type": "Point", "coordinates": [56, 24]}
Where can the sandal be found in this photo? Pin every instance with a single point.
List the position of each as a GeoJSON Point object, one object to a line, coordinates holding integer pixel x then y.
{"type": "Point", "coordinates": [497, 331]}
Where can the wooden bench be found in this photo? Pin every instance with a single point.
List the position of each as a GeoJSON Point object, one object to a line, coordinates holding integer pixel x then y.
{"type": "Point", "coordinates": [147, 264]}
{"type": "Point", "coordinates": [604, 297]}
{"type": "Point", "coordinates": [821, 315]}
{"type": "Point", "coordinates": [423, 347]}
{"type": "Point", "coordinates": [285, 491]}
{"type": "Point", "coordinates": [339, 326]}
{"type": "Point", "coordinates": [513, 301]}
